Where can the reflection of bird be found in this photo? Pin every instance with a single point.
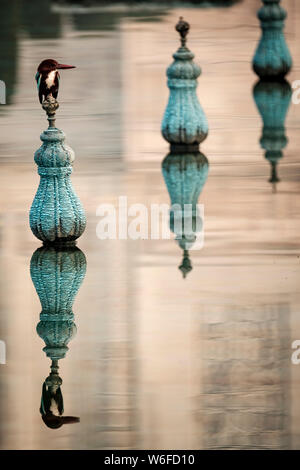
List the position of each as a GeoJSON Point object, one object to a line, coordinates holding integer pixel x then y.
{"type": "Point", "coordinates": [47, 78]}
{"type": "Point", "coordinates": [52, 405]}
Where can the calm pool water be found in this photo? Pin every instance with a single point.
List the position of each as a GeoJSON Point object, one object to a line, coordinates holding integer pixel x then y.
{"type": "Point", "coordinates": [158, 362]}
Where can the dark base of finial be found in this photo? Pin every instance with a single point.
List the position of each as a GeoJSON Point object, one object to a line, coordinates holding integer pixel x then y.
{"type": "Point", "coordinates": [60, 243]}
{"type": "Point", "coordinates": [179, 148]}
{"type": "Point", "coordinates": [271, 75]}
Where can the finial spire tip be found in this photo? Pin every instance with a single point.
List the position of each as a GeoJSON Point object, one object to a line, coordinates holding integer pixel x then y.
{"type": "Point", "coordinates": [182, 27]}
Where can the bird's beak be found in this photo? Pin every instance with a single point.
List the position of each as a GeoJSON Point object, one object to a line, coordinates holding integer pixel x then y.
{"type": "Point", "coordinates": [70, 419]}
{"type": "Point", "coordinates": [64, 66]}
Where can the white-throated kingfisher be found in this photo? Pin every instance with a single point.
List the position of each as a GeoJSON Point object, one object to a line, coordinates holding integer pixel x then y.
{"type": "Point", "coordinates": [47, 78]}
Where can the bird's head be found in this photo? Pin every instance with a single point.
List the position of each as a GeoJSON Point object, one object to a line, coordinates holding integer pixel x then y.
{"type": "Point", "coordinates": [54, 422]}
{"type": "Point", "coordinates": [49, 65]}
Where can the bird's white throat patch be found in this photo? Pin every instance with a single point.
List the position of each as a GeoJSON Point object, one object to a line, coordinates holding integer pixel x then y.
{"type": "Point", "coordinates": [50, 79]}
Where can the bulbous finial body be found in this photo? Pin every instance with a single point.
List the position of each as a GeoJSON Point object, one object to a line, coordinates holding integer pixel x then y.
{"type": "Point", "coordinates": [56, 214]}
{"type": "Point", "coordinates": [272, 59]}
{"type": "Point", "coordinates": [184, 121]}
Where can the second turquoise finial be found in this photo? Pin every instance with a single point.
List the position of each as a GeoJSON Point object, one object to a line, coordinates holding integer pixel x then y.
{"type": "Point", "coordinates": [184, 121]}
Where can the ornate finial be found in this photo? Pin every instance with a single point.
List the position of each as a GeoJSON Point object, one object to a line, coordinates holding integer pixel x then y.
{"type": "Point", "coordinates": [183, 28]}
{"type": "Point", "coordinates": [184, 121]}
{"type": "Point", "coordinates": [50, 105]}
{"type": "Point", "coordinates": [186, 265]}
{"type": "Point", "coordinates": [56, 215]}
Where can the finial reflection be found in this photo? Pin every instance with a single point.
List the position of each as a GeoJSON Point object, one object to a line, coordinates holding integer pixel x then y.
{"type": "Point", "coordinates": [185, 174]}
{"type": "Point", "coordinates": [57, 273]}
{"type": "Point", "coordinates": [273, 99]}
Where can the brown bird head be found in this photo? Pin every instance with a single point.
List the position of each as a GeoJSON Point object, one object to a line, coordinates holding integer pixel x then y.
{"type": "Point", "coordinates": [55, 422]}
{"type": "Point", "coordinates": [48, 65]}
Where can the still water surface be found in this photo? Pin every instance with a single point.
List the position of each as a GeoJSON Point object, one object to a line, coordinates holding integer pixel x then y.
{"type": "Point", "coordinates": [158, 362]}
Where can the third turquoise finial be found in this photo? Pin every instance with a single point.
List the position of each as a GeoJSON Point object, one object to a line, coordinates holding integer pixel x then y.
{"type": "Point", "coordinates": [272, 58]}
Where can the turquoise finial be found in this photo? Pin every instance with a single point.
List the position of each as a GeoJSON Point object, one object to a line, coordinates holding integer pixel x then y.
{"type": "Point", "coordinates": [56, 214]}
{"type": "Point", "coordinates": [272, 100]}
{"type": "Point", "coordinates": [185, 175]}
{"type": "Point", "coordinates": [184, 121]}
{"type": "Point", "coordinates": [57, 273]}
{"type": "Point", "coordinates": [272, 58]}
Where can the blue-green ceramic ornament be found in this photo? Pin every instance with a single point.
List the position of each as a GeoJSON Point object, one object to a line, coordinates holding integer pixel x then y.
{"type": "Point", "coordinates": [185, 175]}
{"type": "Point", "coordinates": [56, 214]}
{"type": "Point", "coordinates": [184, 121]}
{"type": "Point", "coordinates": [272, 58]}
{"type": "Point", "coordinates": [272, 100]}
{"type": "Point", "coordinates": [57, 273]}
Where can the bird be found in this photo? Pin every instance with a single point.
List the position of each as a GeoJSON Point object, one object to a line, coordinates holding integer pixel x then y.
{"type": "Point", "coordinates": [52, 405]}
{"type": "Point", "coordinates": [47, 78]}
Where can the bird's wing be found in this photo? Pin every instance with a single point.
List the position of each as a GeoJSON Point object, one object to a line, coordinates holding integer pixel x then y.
{"type": "Point", "coordinates": [56, 85]}
{"type": "Point", "coordinates": [59, 401]}
{"type": "Point", "coordinates": [38, 79]}
{"type": "Point", "coordinates": [45, 400]}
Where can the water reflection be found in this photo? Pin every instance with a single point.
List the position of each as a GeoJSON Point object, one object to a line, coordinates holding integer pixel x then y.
{"type": "Point", "coordinates": [272, 99]}
{"type": "Point", "coordinates": [245, 400]}
{"type": "Point", "coordinates": [185, 174]}
{"type": "Point", "coordinates": [57, 273]}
